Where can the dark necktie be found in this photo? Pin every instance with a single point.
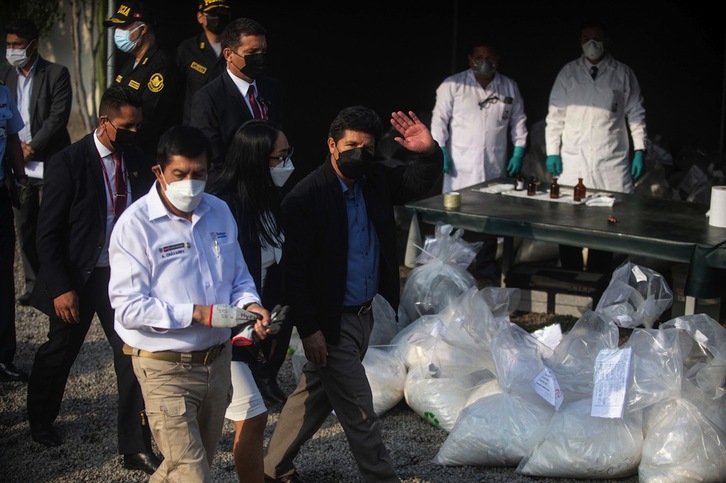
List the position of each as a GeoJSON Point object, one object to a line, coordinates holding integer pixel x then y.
{"type": "Point", "coordinates": [256, 111]}
{"type": "Point", "coordinates": [593, 72]}
{"type": "Point", "coordinates": [119, 203]}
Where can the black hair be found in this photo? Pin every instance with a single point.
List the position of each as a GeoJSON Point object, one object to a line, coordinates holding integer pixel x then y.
{"type": "Point", "coordinates": [593, 23]}
{"type": "Point", "coordinates": [186, 141]}
{"type": "Point", "coordinates": [245, 175]}
{"type": "Point", "coordinates": [232, 33]}
{"type": "Point", "coordinates": [356, 118]}
{"type": "Point", "coordinates": [23, 28]}
{"type": "Point", "coordinates": [115, 97]}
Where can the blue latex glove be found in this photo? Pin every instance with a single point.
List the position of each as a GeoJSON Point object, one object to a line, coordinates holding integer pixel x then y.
{"type": "Point", "coordinates": [636, 170]}
{"type": "Point", "coordinates": [515, 164]}
{"type": "Point", "coordinates": [554, 164]}
{"type": "Point", "coordinates": [447, 160]}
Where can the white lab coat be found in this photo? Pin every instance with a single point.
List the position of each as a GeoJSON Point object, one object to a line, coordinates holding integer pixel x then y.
{"type": "Point", "coordinates": [476, 139]}
{"type": "Point", "coordinates": [588, 120]}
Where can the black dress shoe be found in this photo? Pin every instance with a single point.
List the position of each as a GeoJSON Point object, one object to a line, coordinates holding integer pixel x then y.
{"type": "Point", "coordinates": [146, 462]}
{"type": "Point", "coordinates": [24, 299]}
{"type": "Point", "coordinates": [270, 391]}
{"type": "Point", "coordinates": [8, 372]}
{"type": "Point", "coordinates": [45, 434]}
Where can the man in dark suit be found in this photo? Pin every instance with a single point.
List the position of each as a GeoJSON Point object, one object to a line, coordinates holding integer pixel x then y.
{"type": "Point", "coordinates": [42, 93]}
{"type": "Point", "coordinates": [223, 105]}
{"type": "Point", "coordinates": [87, 186]}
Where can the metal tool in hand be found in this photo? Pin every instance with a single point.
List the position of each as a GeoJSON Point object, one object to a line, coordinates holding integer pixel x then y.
{"type": "Point", "coordinates": [245, 335]}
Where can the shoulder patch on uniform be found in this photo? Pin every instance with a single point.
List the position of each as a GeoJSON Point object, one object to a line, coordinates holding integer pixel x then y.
{"type": "Point", "coordinates": [134, 84]}
{"type": "Point", "coordinates": [199, 68]}
{"type": "Point", "coordinates": [119, 78]}
{"type": "Point", "coordinates": [156, 82]}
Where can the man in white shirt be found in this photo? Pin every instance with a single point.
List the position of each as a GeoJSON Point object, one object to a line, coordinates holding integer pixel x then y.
{"type": "Point", "coordinates": [178, 282]}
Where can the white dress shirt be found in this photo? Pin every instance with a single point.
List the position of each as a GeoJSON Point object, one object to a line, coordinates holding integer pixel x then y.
{"type": "Point", "coordinates": [162, 265]}
{"type": "Point", "coordinates": [23, 90]}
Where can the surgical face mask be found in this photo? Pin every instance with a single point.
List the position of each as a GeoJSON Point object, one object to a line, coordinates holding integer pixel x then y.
{"type": "Point", "coordinates": [254, 65]}
{"type": "Point", "coordinates": [484, 69]}
{"type": "Point", "coordinates": [186, 194]}
{"type": "Point", "coordinates": [281, 172]}
{"type": "Point", "coordinates": [593, 49]}
{"type": "Point", "coordinates": [122, 39]}
{"type": "Point", "coordinates": [125, 138]}
{"type": "Point", "coordinates": [217, 23]}
{"type": "Point", "coordinates": [18, 57]}
{"type": "Point", "coordinates": [355, 163]}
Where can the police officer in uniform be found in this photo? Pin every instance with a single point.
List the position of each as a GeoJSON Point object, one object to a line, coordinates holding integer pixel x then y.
{"type": "Point", "coordinates": [200, 58]}
{"type": "Point", "coordinates": [150, 72]}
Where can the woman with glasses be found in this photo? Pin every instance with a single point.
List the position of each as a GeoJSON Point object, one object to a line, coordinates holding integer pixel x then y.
{"type": "Point", "coordinates": [257, 165]}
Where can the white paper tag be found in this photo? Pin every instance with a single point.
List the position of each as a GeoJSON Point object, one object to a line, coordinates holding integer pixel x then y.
{"type": "Point", "coordinates": [548, 388]}
{"type": "Point", "coordinates": [612, 367]}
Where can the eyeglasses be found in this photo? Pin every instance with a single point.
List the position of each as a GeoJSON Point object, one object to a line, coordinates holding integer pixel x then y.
{"type": "Point", "coordinates": [486, 102]}
{"type": "Point", "coordinates": [285, 158]}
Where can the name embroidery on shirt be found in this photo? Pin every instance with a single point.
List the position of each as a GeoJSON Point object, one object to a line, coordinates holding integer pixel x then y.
{"type": "Point", "coordinates": [134, 84]}
{"type": "Point", "coordinates": [173, 250]}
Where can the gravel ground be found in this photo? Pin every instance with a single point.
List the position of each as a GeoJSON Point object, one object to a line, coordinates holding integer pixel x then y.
{"type": "Point", "coordinates": [87, 422]}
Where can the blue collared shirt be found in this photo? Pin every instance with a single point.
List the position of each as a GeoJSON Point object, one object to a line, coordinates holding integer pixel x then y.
{"type": "Point", "coordinates": [361, 284]}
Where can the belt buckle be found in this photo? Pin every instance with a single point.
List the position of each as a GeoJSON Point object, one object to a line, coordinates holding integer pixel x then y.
{"type": "Point", "coordinates": [364, 309]}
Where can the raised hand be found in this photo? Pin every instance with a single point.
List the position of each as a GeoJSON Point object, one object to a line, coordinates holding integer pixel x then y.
{"type": "Point", "coordinates": [415, 136]}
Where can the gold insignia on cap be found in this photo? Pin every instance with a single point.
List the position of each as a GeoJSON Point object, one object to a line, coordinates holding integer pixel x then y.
{"type": "Point", "coordinates": [156, 82]}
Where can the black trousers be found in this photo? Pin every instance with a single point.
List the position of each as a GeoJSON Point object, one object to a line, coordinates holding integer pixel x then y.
{"type": "Point", "coordinates": [7, 278]}
{"type": "Point", "coordinates": [55, 357]}
{"type": "Point", "coordinates": [26, 219]}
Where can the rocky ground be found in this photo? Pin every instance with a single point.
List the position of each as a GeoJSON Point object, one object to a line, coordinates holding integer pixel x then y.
{"type": "Point", "coordinates": [88, 424]}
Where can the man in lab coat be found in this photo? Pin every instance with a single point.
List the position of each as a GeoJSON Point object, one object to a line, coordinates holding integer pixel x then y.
{"type": "Point", "coordinates": [475, 113]}
{"type": "Point", "coordinates": [595, 100]}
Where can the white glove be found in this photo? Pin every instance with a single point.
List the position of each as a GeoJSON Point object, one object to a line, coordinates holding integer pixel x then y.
{"type": "Point", "coordinates": [229, 316]}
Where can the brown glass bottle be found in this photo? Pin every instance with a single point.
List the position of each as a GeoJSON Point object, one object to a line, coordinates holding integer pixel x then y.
{"type": "Point", "coordinates": [580, 190]}
{"type": "Point", "coordinates": [554, 189]}
{"type": "Point", "coordinates": [531, 187]}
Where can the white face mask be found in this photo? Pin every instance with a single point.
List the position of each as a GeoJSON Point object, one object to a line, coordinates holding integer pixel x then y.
{"type": "Point", "coordinates": [17, 57]}
{"type": "Point", "coordinates": [185, 195]}
{"type": "Point", "coordinates": [281, 172]}
{"type": "Point", "coordinates": [593, 49]}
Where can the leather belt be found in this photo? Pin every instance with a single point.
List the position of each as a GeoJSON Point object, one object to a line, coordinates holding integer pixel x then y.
{"type": "Point", "coordinates": [358, 309]}
{"type": "Point", "coordinates": [196, 357]}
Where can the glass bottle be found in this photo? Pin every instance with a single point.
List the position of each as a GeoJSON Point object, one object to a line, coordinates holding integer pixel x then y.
{"type": "Point", "coordinates": [580, 190]}
{"type": "Point", "coordinates": [554, 189]}
{"type": "Point", "coordinates": [519, 182]}
{"type": "Point", "coordinates": [531, 187]}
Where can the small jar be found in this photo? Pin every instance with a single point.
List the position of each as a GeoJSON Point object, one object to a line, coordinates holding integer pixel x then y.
{"type": "Point", "coordinates": [519, 182]}
{"type": "Point", "coordinates": [580, 190]}
{"type": "Point", "coordinates": [531, 187]}
{"type": "Point", "coordinates": [554, 189]}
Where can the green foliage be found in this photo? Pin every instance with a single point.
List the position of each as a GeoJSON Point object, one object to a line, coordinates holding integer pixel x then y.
{"type": "Point", "coordinates": [44, 13]}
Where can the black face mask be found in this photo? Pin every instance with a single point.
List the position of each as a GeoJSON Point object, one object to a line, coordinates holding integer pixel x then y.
{"type": "Point", "coordinates": [217, 23]}
{"type": "Point", "coordinates": [254, 65]}
{"type": "Point", "coordinates": [355, 163]}
{"type": "Point", "coordinates": [125, 139]}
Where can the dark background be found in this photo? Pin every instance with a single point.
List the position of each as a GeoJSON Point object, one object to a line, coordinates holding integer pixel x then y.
{"type": "Point", "coordinates": [392, 56]}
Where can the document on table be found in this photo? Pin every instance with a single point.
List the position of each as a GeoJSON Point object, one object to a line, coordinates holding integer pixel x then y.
{"type": "Point", "coordinates": [34, 169]}
{"type": "Point", "coordinates": [612, 367]}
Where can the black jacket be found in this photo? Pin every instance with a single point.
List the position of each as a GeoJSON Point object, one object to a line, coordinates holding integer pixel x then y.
{"type": "Point", "coordinates": [218, 109]}
{"type": "Point", "coordinates": [72, 217]}
{"type": "Point", "coordinates": [316, 237]}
